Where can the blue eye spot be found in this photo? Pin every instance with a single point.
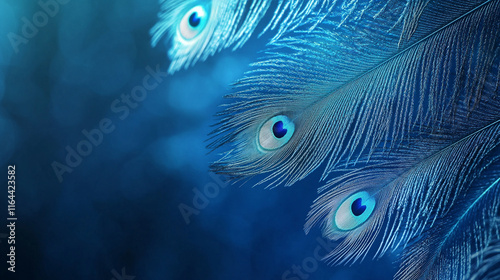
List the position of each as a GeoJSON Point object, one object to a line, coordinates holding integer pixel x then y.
{"type": "Point", "coordinates": [357, 207]}
{"type": "Point", "coordinates": [194, 19]}
{"type": "Point", "coordinates": [275, 133]}
{"type": "Point", "coordinates": [278, 130]}
{"type": "Point", "coordinates": [193, 23]}
{"type": "Point", "coordinates": [354, 211]}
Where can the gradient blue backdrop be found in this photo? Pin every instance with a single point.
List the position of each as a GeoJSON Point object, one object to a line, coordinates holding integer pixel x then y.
{"type": "Point", "coordinates": [119, 208]}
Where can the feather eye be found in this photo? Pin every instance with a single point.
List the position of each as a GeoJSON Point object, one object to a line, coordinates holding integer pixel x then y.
{"type": "Point", "coordinates": [275, 133]}
{"type": "Point", "coordinates": [193, 23]}
{"type": "Point", "coordinates": [354, 211]}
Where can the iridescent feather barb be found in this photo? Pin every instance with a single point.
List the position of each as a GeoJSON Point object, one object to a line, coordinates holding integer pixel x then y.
{"type": "Point", "coordinates": [417, 122]}
{"type": "Point", "coordinates": [197, 29]}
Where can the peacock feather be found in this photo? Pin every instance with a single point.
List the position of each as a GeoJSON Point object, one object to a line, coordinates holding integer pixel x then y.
{"type": "Point", "coordinates": [327, 86]}
{"type": "Point", "coordinates": [396, 103]}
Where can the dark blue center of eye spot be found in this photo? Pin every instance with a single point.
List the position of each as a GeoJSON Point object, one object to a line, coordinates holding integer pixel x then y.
{"type": "Point", "coordinates": [278, 129]}
{"type": "Point", "coordinates": [194, 19]}
{"type": "Point", "coordinates": [357, 208]}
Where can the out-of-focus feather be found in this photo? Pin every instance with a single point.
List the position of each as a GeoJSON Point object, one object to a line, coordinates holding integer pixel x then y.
{"type": "Point", "coordinates": [462, 243]}
{"type": "Point", "coordinates": [225, 23]}
{"type": "Point", "coordinates": [489, 267]}
{"type": "Point", "coordinates": [230, 23]}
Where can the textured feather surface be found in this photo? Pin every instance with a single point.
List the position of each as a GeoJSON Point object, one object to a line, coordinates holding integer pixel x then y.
{"type": "Point", "coordinates": [232, 22]}
{"type": "Point", "coordinates": [418, 120]}
{"type": "Point", "coordinates": [333, 84]}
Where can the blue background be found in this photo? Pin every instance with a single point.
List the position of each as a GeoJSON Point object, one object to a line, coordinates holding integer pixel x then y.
{"type": "Point", "coordinates": [119, 208]}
